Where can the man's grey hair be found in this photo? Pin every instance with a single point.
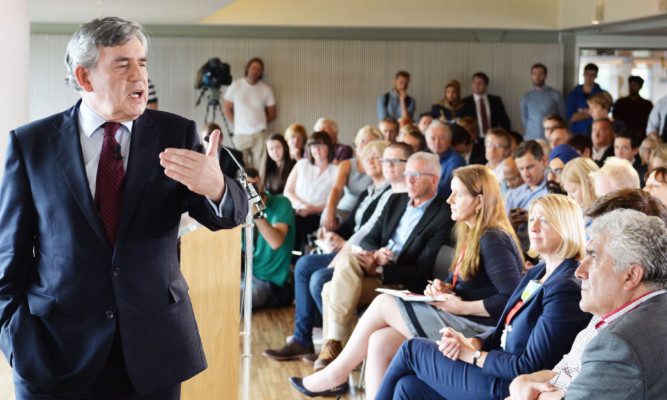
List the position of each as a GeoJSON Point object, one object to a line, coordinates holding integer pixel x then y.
{"type": "Point", "coordinates": [635, 238]}
{"type": "Point", "coordinates": [431, 161]}
{"type": "Point", "coordinates": [321, 121]}
{"type": "Point", "coordinates": [83, 47]}
{"type": "Point", "coordinates": [436, 123]}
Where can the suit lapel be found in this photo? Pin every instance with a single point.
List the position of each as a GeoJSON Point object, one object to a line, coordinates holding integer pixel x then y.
{"type": "Point", "coordinates": [429, 215]}
{"type": "Point", "coordinates": [66, 145]}
{"type": "Point", "coordinates": [143, 149]}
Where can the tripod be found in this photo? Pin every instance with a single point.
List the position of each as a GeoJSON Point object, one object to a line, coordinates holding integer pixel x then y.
{"type": "Point", "coordinates": [213, 106]}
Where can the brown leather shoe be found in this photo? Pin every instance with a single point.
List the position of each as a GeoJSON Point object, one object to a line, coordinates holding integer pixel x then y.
{"type": "Point", "coordinates": [330, 351]}
{"type": "Point", "coordinates": [310, 358]}
{"type": "Point", "coordinates": [291, 350]}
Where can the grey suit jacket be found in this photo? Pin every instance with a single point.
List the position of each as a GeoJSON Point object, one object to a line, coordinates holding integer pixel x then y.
{"type": "Point", "coordinates": [627, 359]}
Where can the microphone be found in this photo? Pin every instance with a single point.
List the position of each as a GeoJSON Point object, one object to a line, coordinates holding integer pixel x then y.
{"type": "Point", "coordinates": [116, 153]}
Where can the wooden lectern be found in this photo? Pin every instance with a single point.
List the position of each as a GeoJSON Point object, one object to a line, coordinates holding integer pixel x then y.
{"type": "Point", "coordinates": [211, 263]}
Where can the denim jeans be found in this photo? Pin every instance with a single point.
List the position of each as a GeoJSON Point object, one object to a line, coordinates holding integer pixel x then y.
{"type": "Point", "coordinates": [310, 274]}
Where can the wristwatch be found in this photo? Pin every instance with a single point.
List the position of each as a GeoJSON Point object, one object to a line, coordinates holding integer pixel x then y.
{"type": "Point", "coordinates": [475, 357]}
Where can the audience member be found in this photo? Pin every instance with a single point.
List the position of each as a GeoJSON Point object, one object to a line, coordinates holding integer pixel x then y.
{"type": "Point", "coordinates": [341, 151]}
{"type": "Point", "coordinates": [577, 111]}
{"type": "Point", "coordinates": [424, 121]}
{"type": "Point", "coordinates": [309, 184]}
{"type": "Point", "coordinates": [396, 103]}
{"type": "Point", "coordinates": [517, 139]}
{"type": "Point", "coordinates": [616, 173]}
{"type": "Point", "coordinates": [645, 148]}
{"type": "Point", "coordinates": [599, 106]}
{"type": "Point", "coordinates": [389, 128]}
{"type": "Point", "coordinates": [415, 139]}
{"type": "Point", "coordinates": [634, 110]}
{"type": "Point", "coordinates": [626, 146]}
{"type": "Point", "coordinates": [405, 129]}
{"type": "Point", "coordinates": [656, 126]}
{"type": "Point", "coordinates": [658, 157]}
{"type": "Point", "coordinates": [227, 165]}
{"type": "Point", "coordinates": [472, 298]}
{"type": "Point", "coordinates": [462, 143]}
{"type": "Point", "coordinates": [276, 164]}
{"type": "Point", "coordinates": [512, 177]}
{"type": "Point", "coordinates": [351, 181]}
{"type": "Point", "coordinates": [400, 249]}
{"type": "Point", "coordinates": [488, 109]}
{"type": "Point", "coordinates": [311, 272]}
{"type": "Point", "coordinates": [539, 102]}
{"type": "Point", "coordinates": [603, 140]}
{"type": "Point", "coordinates": [250, 105]}
{"type": "Point", "coordinates": [470, 125]}
{"type": "Point", "coordinates": [531, 162]}
{"type": "Point", "coordinates": [546, 149]}
{"type": "Point", "coordinates": [552, 122]}
{"type": "Point", "coordinates": [439, 141]}
{"type": "Point", "coordinates": [558, 157]}
{"type": "Point", "coordinates": [577, 181]}
{"type": "Point", "coordinates": [583, 144]}
{"type": "Point", "coordinates": [272, 249]}
{"type": "Point", "coordinates": [296, 137]}
{"type": "Point", "coordinates": [498, 147]}
{"type": "Point", "coordinates": [656, 184]}
{"type": "Point", "coordinates": [559, 136]}
{"type": "Point", "coordinates": [538, 326]}
{"type": "Point", "coordinates": [635, 199]}
{"type": "Point", "coordinates": [623, 285]}
{"type": "Point", "coordinates": [449, 107]}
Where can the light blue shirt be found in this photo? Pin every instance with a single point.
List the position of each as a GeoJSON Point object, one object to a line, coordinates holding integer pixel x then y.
{"type": "Point", "coordinates": [406, 225]}
{"type": "Point", "coordinates": [91, 136]}
{"type": "Point", "coordinates": [656, 119]}
{"type": "Point", "coordinates": [521, 197]}
{"type": "Point", "coordinates": [393, 107]}
{"type": "Point", "coordinates": [537, 104]}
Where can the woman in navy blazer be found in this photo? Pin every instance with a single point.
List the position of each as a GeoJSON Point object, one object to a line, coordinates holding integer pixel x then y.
{"type": "Point", "coordinates": [536, 328]}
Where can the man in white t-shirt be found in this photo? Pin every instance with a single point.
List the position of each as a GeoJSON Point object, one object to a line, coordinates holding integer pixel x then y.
{"type": "Point", "coordinates": [250, 105]}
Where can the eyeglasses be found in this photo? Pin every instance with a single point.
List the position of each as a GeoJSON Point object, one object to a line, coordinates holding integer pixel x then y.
{"type": "Point", "coordinates": [415, 175]}
{"type": "Point", "coordinates": [512, 179]}
{"type": "Point", "coordinates": [393, 161]}
{"type": "Point", "coordinates": [556, 171]}
{"type": "Point", "coordinates": [494, 145]}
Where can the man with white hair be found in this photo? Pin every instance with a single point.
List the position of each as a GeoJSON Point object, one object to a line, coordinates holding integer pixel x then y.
{"type": "Point", "coordinates": [400, 249]}
{"type": "Point", "coordinates": [341, 151]}
{"type": "Point", "coordinates": [439, 141]}
{"type": "Point", "coordinates": [616, 173]}
{"type": "Point", "coordinates": [620, 355]}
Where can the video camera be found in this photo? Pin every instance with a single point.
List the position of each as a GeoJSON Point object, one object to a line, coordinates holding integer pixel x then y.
{"type": "Point", "coordinates": [213, 75]}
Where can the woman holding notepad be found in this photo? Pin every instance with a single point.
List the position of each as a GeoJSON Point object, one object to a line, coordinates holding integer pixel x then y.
{"type": "Point", "coordinates": [483, 275]}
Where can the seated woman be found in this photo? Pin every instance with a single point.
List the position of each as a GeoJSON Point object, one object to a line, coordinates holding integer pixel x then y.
{"type": "Point", "coordinates": [449, 107]}
{"type": "Point", "coordinates": [577, 182]}
{"type": "Point", "coordinates": [658, 157]}
{"type": "Point", "coordinates": [296, 137]}
{"type": "Point", "coordinates": [656, 184]}
{"type": "Point", "coordinates": [276, 164]}
{"type": "Point", "coordinates": [351, 181]}
{"type": "Point", "coordinates": [308, 185]}
{"type": "Point", "coordinates": [536, 329]}
{"type": "Point", "coordinates": [482, 278]}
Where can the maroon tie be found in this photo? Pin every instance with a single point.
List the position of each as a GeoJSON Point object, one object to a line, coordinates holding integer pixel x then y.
{"type": "Point", "coordinates": [109, 185]}
{"type": "Point", "coordinates": [485, 119]}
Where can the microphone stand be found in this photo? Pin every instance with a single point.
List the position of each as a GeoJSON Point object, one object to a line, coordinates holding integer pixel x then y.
{"type": "Point", "coordinates": [254, 200]}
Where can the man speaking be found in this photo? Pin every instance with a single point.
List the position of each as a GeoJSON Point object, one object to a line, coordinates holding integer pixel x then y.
{"type": "Point", "coordinates": [92, 300]}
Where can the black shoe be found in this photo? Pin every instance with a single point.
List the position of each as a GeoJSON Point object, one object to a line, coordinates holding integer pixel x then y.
{"type": "Point", "coordinates": [291, 350]}
{"type": "Point", "coordinates": [336, 391]}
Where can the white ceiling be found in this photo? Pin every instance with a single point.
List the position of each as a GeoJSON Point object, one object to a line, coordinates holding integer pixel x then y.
{"type": "Point", "coordinates": [177, 12]}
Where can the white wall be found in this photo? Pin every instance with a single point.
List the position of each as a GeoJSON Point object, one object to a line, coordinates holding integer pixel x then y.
{"type": "Point", "coordinates": [340, 79]}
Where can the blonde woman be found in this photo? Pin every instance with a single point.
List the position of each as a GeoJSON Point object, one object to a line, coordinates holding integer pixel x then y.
{"type": "Point", "coordinates": [577, 182]}
{"type": "Point", "coordinates": [483, 275]}
{"type": "Point", "coordinates": [296, 137]}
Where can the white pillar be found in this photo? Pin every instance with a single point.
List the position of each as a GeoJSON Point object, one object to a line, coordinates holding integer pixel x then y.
{"type": "Point", "coordinates": [14, 71]}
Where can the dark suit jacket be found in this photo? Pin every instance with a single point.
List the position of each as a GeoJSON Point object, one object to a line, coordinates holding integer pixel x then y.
{"type": "Point", "coordinates": [64, 288]}
{"type": "Point", "coordinates": [415, 262]}
{"type": "Point", "coordinates": [499, 116]}
{"type": "Point", "coordinates": [608, 153]}
{"type": "Point", "coordinates": [543, 329]}
{"type": "Point", "coordinates": [227, 165]}
{"type": "Point", "coordinates": [627, 359]}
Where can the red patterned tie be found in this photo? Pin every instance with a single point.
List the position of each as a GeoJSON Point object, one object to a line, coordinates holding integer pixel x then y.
{"type": "Point", "coordinates": [485, 118]}
{"type": "Point", "coordinates": [109, 185]}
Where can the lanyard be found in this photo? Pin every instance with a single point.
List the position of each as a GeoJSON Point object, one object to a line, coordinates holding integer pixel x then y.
{"type": "Point", "coordinates": [455, 276]}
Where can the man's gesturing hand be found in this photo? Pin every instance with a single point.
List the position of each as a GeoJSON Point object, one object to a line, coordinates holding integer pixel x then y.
{"type": "Point", "coordinates": [200, 173]}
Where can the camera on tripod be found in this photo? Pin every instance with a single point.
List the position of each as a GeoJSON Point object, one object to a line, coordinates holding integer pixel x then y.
{"type": "Point", "coordinates": [210, 78]}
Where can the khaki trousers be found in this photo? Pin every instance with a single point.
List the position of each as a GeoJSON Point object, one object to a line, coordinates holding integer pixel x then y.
{"type": "Point", "coordinates": [348, 289]}
{"type": "Point", "coordinates": [252, 147]}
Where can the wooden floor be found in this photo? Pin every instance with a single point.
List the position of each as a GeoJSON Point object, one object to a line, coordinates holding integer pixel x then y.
{"type": "Point", "coordinates": [269, 378]}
